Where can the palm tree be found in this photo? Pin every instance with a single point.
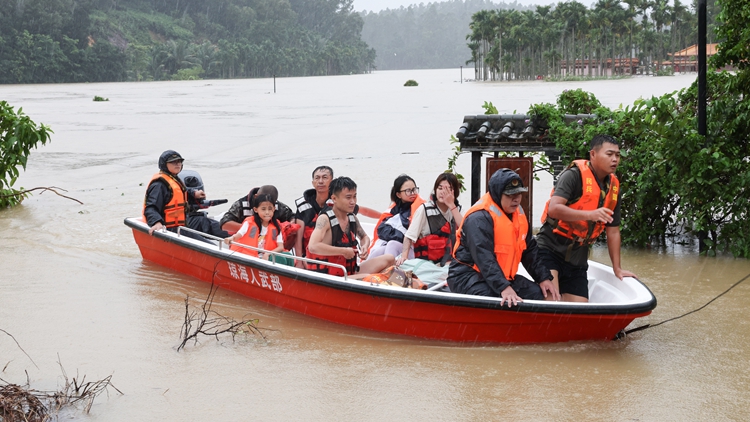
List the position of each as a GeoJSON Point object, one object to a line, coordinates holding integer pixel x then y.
{"type": "Point", "coordinates": [660, 14]}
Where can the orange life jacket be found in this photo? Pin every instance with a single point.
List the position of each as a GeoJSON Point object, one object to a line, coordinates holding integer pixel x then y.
{"type": "Point", "coordinates": [174, 210]}
{"type": "Point", "coordinates": [338, 239]}
{"type": "Point", "coordinates": [509, 236]}
{"type": "Point", "coordinates": [386, 215]}
{"type": "Point", "coordinates": [585, 232]}
{"type": "Point", "coordinates": [252, 237]}
{"type": "Point", "coordinates": [435, 245]}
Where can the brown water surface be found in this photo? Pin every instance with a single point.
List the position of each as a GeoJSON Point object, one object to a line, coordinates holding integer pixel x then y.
{"type": "Point", "coordinates": [74, 285]}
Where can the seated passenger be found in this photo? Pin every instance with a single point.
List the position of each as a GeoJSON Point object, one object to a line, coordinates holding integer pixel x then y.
{"type": "Point", "coordinates": [493, 239]}
{"type": "Point", "coordinates": [243, 208]}
{"type": "Point", "coordinates": [393, 224]}
{"type": "Point", "coordinates": [432, 230]}
{"type": "Point", "coordinates": [196, 218]}
{"type": "Point", "coordinates": [260, 230]}
{"type": "Point", "coordinates": [336, 232]}
{"type": "Point", "coordinates": [309, 206]}
{"type": "Point", "coordinates": [165, 205]}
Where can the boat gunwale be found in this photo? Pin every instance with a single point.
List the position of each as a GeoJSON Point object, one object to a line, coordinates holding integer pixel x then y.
{"type": "Point", "coordinates": [434, 297]}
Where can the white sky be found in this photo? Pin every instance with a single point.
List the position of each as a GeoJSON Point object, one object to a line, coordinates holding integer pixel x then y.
{"type": "Point", "coordinates": [378, 5]}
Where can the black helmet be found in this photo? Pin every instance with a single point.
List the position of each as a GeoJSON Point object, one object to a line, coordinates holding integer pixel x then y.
{"type": "Point", "coordinates": [505, 181]}
{"type": "Point", "coordinates": [167, 157]}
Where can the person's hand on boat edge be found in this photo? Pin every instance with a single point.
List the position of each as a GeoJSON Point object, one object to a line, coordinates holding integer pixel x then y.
{"type": "Point", "coordinates": [230, 239]}
{"type": "Point", "coordinates": [510, 295]}
{"type": "Point", "coordinates": [547, 286]}
{"type": "Point", "coordinates": [620, 273]}
{"type": "Point", "coordinates": [155, 227]}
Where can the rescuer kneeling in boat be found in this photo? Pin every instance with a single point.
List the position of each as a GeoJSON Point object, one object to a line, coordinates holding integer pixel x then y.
{"type": "Point", "coordinates": [493, 239]}
{"type": "Point", "coordinates": [166, 202]}
{"type": "Point", "coordinates": [336, 232]}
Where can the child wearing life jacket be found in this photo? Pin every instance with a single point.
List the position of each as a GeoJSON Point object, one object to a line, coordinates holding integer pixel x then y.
{"type": "Point", "coordinates": [260, 230]}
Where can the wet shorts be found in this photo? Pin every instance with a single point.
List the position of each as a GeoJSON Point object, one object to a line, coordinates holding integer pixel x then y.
{"type": "Point", "coordinates": [571, 279]}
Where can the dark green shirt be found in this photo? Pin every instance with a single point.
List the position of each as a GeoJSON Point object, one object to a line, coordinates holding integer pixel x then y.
{"type": "Point", "coordinates": [570, 186]}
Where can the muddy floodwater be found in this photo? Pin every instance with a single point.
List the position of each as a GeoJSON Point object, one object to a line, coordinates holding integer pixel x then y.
{"type": "Point", "coordinates": [73, 285]}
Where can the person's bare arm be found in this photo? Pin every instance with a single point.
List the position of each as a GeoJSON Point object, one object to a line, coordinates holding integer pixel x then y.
{"type": "Point", "coordinates": [298, 242]}
{"type": "Point", "coordinates": [613, 245]}
{"type": "Point", "coordinates": [364, 241]}
{"type": "Point", "coordinates": [404, 252]}
{"type": "Point", "coordinates": [317, 244]}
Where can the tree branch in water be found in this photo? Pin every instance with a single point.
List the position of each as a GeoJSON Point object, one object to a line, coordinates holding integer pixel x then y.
{"type": "Point", "coordinates": [210, 323]}
{"type": "Point", "coordinates": [22, 193]}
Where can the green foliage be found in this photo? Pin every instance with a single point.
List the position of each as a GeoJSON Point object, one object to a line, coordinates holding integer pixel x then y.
{"type": "Point", "coordinates": [569, 41]}
{"type": "Point", "coordinates": [734, 49]}
{"type": "Point", "coordinates": [411, 82]}
{"type": "Point", "coordinates": [98, 98]}
{"type": "Point", "coordinates": [489, 108]}
{"type": "Point", "coordinates": [96, 41]}
{"type": "Point", "coordinates": [18, 135]}
{"type": "Point", "coordinates": [577, 101]}
{"type": "Point", "coordinates": [192, 74]}
{"type": "Point", "coordinates": [674, 181]}
{"type": "Point", "coordinates": [456, 148]}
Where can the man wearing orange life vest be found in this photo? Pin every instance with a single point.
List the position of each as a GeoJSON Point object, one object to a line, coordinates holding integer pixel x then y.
{"type": "Point", "coordinates": [165, 204]}
{"type": "Point", "coordinates": [584, 203]}
{"type": "Point", "coordinates": [494, 238]}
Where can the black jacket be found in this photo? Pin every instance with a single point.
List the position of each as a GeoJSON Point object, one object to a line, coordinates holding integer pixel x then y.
{"type": "Point", "coordinates": [478, 245]}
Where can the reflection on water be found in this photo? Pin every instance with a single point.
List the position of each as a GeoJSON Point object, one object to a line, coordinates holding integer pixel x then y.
{"type": "Point", "coordinates": [74, 284]}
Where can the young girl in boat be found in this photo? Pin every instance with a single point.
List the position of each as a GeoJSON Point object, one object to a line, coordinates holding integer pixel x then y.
{"type": "Point", "coordinates": [260, 230]}
{"type": "Point", "coordinates": [393, 224]}
{"type": "Point", "coordinates": [433, 227]}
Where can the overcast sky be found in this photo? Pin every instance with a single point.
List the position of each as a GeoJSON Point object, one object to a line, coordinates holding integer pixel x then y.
{"type": "Point", "coordinates": [378, 5]}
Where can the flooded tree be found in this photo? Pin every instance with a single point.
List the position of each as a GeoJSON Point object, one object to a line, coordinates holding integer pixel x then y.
{"type": "Point", "coordinates": [18, 135]}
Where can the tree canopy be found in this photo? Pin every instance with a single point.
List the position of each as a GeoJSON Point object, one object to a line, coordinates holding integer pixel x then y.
{"type": "Point", "coordinates": [117, 40]}
{"type": "Point", "coordinates": [568, 39]}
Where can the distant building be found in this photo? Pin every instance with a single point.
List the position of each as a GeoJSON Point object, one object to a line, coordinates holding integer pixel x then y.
{"type": "Point", "coordinates": [686, 60]}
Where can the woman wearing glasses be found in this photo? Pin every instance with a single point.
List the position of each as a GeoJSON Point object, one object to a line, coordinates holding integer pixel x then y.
{"type": "Point", "coordinates": [432, 231]}
{"type": "Point", "coordinates": [393, 224]}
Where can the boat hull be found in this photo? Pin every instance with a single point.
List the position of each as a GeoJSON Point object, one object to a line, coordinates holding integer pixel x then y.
{"type": "Point", "coordinates": [423, 314]}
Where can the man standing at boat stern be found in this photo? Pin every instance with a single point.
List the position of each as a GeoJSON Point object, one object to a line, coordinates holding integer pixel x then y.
{"type": "Point", "coordinates": [165, 205]}
{"type": "Point", "coordinates": [584, 203]}
{"type": "Point", "coordinates": [494, 238]}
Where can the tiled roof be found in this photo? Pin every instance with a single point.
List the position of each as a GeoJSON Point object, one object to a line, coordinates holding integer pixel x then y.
{"type": "Point", "coordinates": [693, 51]}
{"type": "Point", "coordinates": [508, 132]}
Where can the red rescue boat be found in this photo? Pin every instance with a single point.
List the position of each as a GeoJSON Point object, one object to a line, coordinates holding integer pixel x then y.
{"type": "Point", "coordinates": [437, 315]}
